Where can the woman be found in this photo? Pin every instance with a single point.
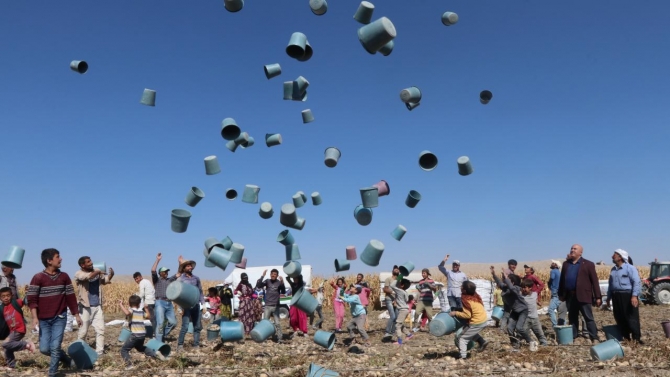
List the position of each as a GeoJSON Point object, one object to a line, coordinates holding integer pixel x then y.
{"type": "Point", "coordinates": [246, 313]}
{"type": "Point", "coordinates": [298, 318]}
{"type": "Point", "coordinates": [226, 302]}
{"type": "Point", "coordinates": [338, 304]}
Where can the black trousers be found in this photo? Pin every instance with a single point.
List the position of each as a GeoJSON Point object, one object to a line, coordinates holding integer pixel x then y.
{"type": "Point", "coordinates": [627, 316]}
{"type": "Point", "coordinates": [574, 308]}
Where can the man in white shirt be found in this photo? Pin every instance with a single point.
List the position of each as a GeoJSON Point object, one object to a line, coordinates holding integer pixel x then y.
{"type": "Point", "coordinates": [455, 279]}
{"type": "Point", "coordinates": [148, 296]}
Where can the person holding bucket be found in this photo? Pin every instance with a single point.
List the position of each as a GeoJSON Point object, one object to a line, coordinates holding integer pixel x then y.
{"type": "Point", "coordinates": [624, 289]}
{"type": "Point", "coordinates": [455, 279]}
{"type": "Point", "coordinates": [137, 330]}
{"type": "Point", "coordinates": [297, 318]}
{"type": "Point", "coordinates": [475, 315]}
{"type": "Point", "coordinates": [89, 293]}
{"type": "Point", "coordinates": [274, 288]}
{"type": "Point", "coordinates": [164, 310]}
{"type": "Point", "coordinates": [190, 315]}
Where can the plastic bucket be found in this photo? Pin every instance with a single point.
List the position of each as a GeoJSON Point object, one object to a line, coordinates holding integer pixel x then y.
{"type": "Point", "coordinates": [607, 350]}
{"type": "Point", "coordinates": [612, 332]}
{"type": "Point", "coordinates": [497, 313]}
{"type": "Point", "coordinates": [442, 324]}
{"type": "Point", "coordinates": [325, 339]}
{"type": "Point", "coordinates": [263, 330]}
{"type": "Point", "coordinates": [158, 346]}
{"type": "Point", "coordinates": [319, 371]}
{"type": "Point", "coordinates": [231, 331]}
{"type": "Point", "coordinates": [82, 354]}
{"type": "Point", "coordinates": [304, 301]}
{"type": "Point", "coordinates": [457, 338]}
{"type": "Point", "coordinates": [184, 295]}
{"type": "Point", "coordinates": [212, 335]}
{"type": "Point", "coordinates": [563, 334]}
{"type": "Point", "coordinates": [406, 268]}
{"type": "Point", "coordinates": [292, 268]}
{"type": "Point", "coordinates": [125, 334]}
{"type": "Point", "coordinates": [666, 328]}
{"type": "Point", "coordinates": [14, 258]}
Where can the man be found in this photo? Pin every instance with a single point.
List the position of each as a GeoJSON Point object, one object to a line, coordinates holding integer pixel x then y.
{"type": "Point", "coordinates": [360, 281]}
{"type": "Point", "coordinates": [164, 310]}
{"type": "Point", "coordinates": [49, 295]}
{"type": "Point", "coordinates": [194, 314]}
{"type": "Point", "coordinates": [455, 280]}
{"type": "Point", "coordinates": [538, 285]}
{"type": "Point", "coordinates": [623, 290]}
{"type": "Point", "coordinates": [148, 295]}
{"type": "Point", "coordinates": [578, 286]}
{"type": "Point", "coordinates": [7, 279]}
{"type": "Point", "coordinates": [508, 299]}
{"type": "Point", "coordinates": [555, 304]}
{"type": "Point", "coordinates": [389, 299]}
{"type": "Point", "coordinates": [273, 289]}
{"type": "Point", "coordinates": [88, 282]}
{"type": "Point", "coordinates": [511, 267]}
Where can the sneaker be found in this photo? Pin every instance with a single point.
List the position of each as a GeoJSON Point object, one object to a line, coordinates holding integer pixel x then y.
{"type": "Point", "coordinates": [533, 346]}
{"type": "Point", "coordinates": [482, 346]}
{"type": "Point", "coordinates": [129, 367]}
{"type": "Point", "coordinates": [160, 356]}
{"type": "Point", "coordinates": [408, 337]}
{"type": "Point", "coordinates": [30, 346]}
{"type": "Point", "coordinates": [387, 335]}
{"type": "Point", "coordinates": [416, 329]}
{"type": "Point", "coordinates": [180, 349]}
{"type": "Point", "coordinates": [398, 343]}
{"type": "Point", "coordinates": [514, 349]}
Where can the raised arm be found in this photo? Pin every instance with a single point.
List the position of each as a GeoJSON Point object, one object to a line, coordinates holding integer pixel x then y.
{"type": "Point", "coordinates": [159, 256]}
{"type": "Point", "coordinates": [441, 267]}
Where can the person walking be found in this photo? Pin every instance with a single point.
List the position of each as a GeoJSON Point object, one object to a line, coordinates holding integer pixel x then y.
{"type": "Point", "coordinates": [89, 298]}
{"type": "Point", "coordinates": [148, 295]}
{"type": "Point", "coordinates": [164, 310]}
{"type": "Point", "coordinates": [555, 304]}
{"type": "Point", "coordinates": [194, 314]}
{"type": "Point", "coordinates": [623, 291]}
{"type": "Point", "coordinates": [455, 280]}
{"type": "Point", "coordinates": [389, 301]}
{"type": "Point", "coordinates": [274, 288]}
{"type": "Point", "coordinates": [49, 294]}
{"type": "Point", "coordinates": [578, 286]}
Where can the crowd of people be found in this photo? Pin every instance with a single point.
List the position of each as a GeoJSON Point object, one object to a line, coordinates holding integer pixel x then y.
{"type": "Point", "coordinates": [573, 284]}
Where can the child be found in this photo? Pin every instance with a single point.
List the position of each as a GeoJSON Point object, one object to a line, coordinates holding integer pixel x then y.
{"type": "Point", "coordinates": [399, 287]}
{"type": "Point", "coordinates": [138, 331]}
{"type": "Point", "coordinates": [364, 296]}
{"type": "Point", "coordinates": [338, 303]}
{"type": "Point", "coordinates": [319, 308]}
{"type": "Point", "coordinates": [475, 314]}
{"type": "Point", "coordinates": [13, 315]}
{"type": "Point", "coordinates": [533, 321]}
{"type": "Point", "coordinates": [357, 313]}
{"type": "Point", "coordinates": [214, 303]}
{"type": "Point", "coordinates": [519, 312]}
{"type": "Point", "coordinates": [226, 297]}
{"type": "Point", "coordinates": [410, 307]}
{"type": "Point", "coordinates": [426, 287]}
{"type": "Point", "coordinates": [442, 296]}
{"type": "Point", "coordinates": [498, 301]}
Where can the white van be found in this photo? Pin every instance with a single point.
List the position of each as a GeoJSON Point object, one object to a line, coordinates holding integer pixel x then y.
{"type": "Point", "coordinates": [255, 273]}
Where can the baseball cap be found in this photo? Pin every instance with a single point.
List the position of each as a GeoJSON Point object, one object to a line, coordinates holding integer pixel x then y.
{"type": "Point", "coordinates": [456, 262]}
{"type": "Point", "coordinates": [426, 271]}
{"type": "Point", "coordinates": [162, 269]}
{"type": "Point", "coordinates": [394, 267]}
{"type": "Point", "coordinates": [526, 266]}
{"type": "Point", "coordinates": [512, 262]}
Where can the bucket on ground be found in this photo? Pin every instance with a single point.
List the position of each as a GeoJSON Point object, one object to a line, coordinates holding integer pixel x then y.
{"type": "Point", "coordinates": [83, 355]}
{"type": "Point", "coordinates": [159, 346]}
{"type": "Point", "coordinates": [231, 331]}
{"type": "Point", "coordinates": [262, 330]}
{"type": "Point", "coordinates": [607, 350]}
{"type": "Point", "coordinates": [612, 332]}
{"type": "Point", "coordinates": [563, 334]}
{"type": "Point", "coordinates": [325, 339]}
{"type": "Point", "coordinates": [319, 371]}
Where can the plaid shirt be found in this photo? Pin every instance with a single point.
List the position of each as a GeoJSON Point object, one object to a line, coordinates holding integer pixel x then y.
{"type": "Point", "coordinates": [161, 284]}
{"type": "Point", "coordinates": [194, 281]}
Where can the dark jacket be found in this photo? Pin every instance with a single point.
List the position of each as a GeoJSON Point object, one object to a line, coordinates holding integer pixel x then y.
{"type": "Point", "coordinates": [588, 286]}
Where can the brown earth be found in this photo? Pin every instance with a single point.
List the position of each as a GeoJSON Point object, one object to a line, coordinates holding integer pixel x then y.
{"type": "Point", "coordinates": [424, 355]}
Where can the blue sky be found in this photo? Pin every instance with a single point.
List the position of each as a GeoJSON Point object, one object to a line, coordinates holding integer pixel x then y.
{"type": "Point", "coordinates": [573, 148]}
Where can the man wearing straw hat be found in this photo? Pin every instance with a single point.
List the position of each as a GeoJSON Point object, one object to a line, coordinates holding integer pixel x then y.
{"type": "Point", "coordinates": [89, 293]}
{"type": "Point", "coordinates": [455, 280]}
{"type": "Point", "coordinates": [624, 289]}
{"type": "Point", "coordinates": [192, 315]}
{"type": "Point", "coordinates": [164, 311]}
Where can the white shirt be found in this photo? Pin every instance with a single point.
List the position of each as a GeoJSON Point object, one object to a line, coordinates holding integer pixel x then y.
{"type": "Point", "coordinates": [147, 292]}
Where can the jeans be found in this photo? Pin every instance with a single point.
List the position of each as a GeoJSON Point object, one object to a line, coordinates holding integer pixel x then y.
{"type": "Point", "coordinates": [51, 337]}
{"type": "Point", "coordinates": [93, 316]}
{"type": "Point", "coordinates": [273, 311]}
{"type": "Point", "coordinates": [393, 314]}
{"type": "Point", "coordinates": [556, 305]}
{"type": "Point", "coordinates": [534, 325]}
{"type": "Point", "coordinates": [14, 343]}
{"type": "Point", "coordinates": [190, 315]}
{"type": "Point", "coordinates": [517, 322]}
{"type": "Point", "coordinates": [319, 311]}
{"type": "Point", "coordinates": [504, 320]}
{"type": "Point", "coordinates": [152, 313]}
{"type": "Point", "coordinates": [455, 303]}
{"type": "Point", "coordinates": [164, 312]}
{"type": "Point", "coordinates": [136, 342]}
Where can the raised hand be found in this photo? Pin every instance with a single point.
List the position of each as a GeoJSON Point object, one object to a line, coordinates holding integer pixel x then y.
{"type": "Point", "coordinates": [159, 256]}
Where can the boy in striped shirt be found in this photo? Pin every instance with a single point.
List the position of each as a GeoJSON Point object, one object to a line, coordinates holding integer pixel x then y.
{"type": "Point", "coordinates": [138, 331]}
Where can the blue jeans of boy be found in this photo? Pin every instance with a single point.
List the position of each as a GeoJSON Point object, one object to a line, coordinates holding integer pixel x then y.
{"type": "Point", "coordinates": [190, 315]}
{"type": "Point", "coordinates": [51, 338]}
{"type": "Point", "coordinates": [164, 311]}
{"type": "Point", "coordinates": [393, 314]}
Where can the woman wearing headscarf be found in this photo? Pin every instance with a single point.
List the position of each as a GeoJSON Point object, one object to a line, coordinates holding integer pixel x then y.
{"type": "Point", "coordinates": [247, 314]}
{"type": "Point", "coordinates": [298, 318]}
{"type": "Point", "coordinates": [226, 302]}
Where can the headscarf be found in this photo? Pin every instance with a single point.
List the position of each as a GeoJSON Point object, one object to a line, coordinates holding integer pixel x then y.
{"type": "Point", "coordinates": [467, 299]}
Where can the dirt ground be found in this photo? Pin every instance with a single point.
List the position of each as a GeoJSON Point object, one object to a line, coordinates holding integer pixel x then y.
{"type": "Point", "coordinates": [423, 355]}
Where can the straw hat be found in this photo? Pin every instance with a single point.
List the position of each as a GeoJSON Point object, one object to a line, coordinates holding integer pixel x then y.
{"type": "Point", "coordinates": [183, 264]}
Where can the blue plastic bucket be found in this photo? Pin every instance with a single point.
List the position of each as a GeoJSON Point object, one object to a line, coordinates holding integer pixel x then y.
{"type": "Point", "coordinates": [457, 338]}
{"type": "Point", "coordinates": [231, 331]}
{"type": "Point", "coordinates": [82, 354]}
{"type": "Point", "coordinates": [158, 346]}
{"type": "Point", "coordinates": [325, 339]}
{"type": "Point", "coordinates": [14, 259]}
{"type": "Point", "coordinates": [125, 334]}
{"type": "Point", "coordinates": [184, 295]}
{"type": "Point", "coordinates": [292, 268]}
{"type": "Point", "coordinates": [319, 371]}
{"type": "Point", "coordinates": [212, 335]}
{"type": "Point", "coordinates": [442, 324]}
{"type": "Point", "coordinates": [607, 350]}
{"type": "Point", "coordinates": [406, 268]}
{"type": "Point", "coordinates": [612, 332]}
{"type": "Point", "coordinates": [497, 313]}
{"type": "Point", "coordinates": [263, 330]}
{"type": "Point", "coordinates": [304, 301]}
{"type": "Point", "coordinates": [190, 328]}
{"type": "Point", "coordinates": [563, 334]}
